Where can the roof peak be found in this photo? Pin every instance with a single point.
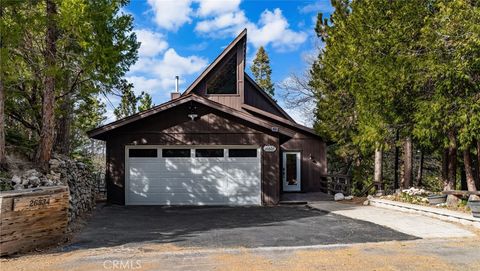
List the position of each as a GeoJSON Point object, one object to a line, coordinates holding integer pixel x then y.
{"type": "Point", "coordinates": [230, 46]}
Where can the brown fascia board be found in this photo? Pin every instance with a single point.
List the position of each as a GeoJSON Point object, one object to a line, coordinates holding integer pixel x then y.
{"type": "Point", "coordinates": [140, 115]}
{"type": "Point", "coordinates": [279, 119]}
{"type": "Point", "coordinates": [227, 49]}
{"type": "Point", "coordinates": [181, 100]}
{"type": "Point", "coordinates": [272, 101]}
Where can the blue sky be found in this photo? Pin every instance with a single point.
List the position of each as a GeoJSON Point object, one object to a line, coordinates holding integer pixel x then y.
{"type": "Point", "coordinates": [181, 37]}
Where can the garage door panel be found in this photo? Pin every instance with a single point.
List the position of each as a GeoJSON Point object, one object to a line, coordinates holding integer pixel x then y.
{"type": "Point", "coordinates": [177, 184]}
{"type": "Point", "coordinates": [179, 199]}
{"type": "Point", "coordinates": [244, 199]}
{"type": "Point", "coordinates": [193, 181]}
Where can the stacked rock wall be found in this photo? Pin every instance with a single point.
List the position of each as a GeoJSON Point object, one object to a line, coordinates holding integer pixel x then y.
{"type": "Point", "coordinates": [81, 182]}
{"type": "Point", "coordinates": [79, 178]}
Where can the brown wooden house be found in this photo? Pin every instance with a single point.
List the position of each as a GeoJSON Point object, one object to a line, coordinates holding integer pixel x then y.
{"type": "Point", "coordinates": [224, 141]}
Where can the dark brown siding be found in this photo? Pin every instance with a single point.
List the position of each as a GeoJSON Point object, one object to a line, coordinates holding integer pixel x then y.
{"type": "Point", "coordinates": [314, 161]}
{"type": "Point", "coordinates": [256, 99]}
{"type": "Point", "coordinates": [172, 127]}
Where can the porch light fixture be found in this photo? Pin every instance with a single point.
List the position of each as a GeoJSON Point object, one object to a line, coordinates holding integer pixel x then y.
{"type": "Point", "coordinates": [192, 116]}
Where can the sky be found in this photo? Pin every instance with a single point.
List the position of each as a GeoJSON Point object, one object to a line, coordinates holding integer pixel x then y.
{"type": "Point", "coordinates": [182, 37]}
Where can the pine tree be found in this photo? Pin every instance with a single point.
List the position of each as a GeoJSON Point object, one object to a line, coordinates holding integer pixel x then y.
{"type": "Point", "coordinates": [128, 103]}
{"type": "Point", "coordinates": [262, 71]}
{"type": "Point", "coordinates": [47, 133]}
{"type": "Point", "coordinates": [145, 101]}
{"type": "Point", "coordinates": [55, 55]}
{"type": "Point", "coordinates": [448, 111]}
{"type": "Point", "coordinates": [365, 75]}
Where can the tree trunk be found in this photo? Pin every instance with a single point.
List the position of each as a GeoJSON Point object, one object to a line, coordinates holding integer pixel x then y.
{"type": "Point", "coordinates": [3, 155]}
{"type": "Point", "coordinates": [478, 164]}
{"type": "Point", "coordinates": [452, 163]}
{"type": "Point", "coordinates": [463, 179]}
{"type": "Point", "coordinates": [62, 139]}
{"type": "Point", "coordinates": [378, 173]}
{"type": "Point", "coordinates": [48, 102]}
{"type": "Point", "coordinates": [445, 167]}
{"type": "Point", "coordinates": [397, 158]}
{"type": "Point", "coordinates": [420, 170]}
{"type": "Point", "coordinates": [407, 162]}
{"type": "Point", "coordinates": [467, 160]}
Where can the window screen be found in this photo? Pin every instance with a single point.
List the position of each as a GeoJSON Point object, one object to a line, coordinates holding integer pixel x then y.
{"type": "Point", "coordinates": [224, 81]}
{"type": "Point", "coordinates": [175, 152]}
{"type": "Point", "coordinates": [209, 153]}
{"type": "Point", "coordinates": [142, 153]}
{"type": "Point", "coordinates": [242, 153]}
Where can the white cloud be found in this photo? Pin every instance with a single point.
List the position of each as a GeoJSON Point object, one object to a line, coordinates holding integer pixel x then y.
{"type": "Point", "coordinates": [272, 29]}
{"type": "Point", "coordinates": [142, 83]}
{"type": "Point", "coordinates": [143, 64]}
{"type": "Point", "coordinates": [323, 6]}
{"type": "Point", "coordinates": [171, 14]}
{"type": "Point", "coordinates": [217, 7]}
{"type": "Point", "coordinates": [173, 64]}
{"type": "Point", "coordinates": [157, 74]}
{"type": "Point", "coordinates": [225, 18]}
{"type": "Point", "coordinates": [226, 24]}
{"type": "Point", "coordinates": [152, 43]}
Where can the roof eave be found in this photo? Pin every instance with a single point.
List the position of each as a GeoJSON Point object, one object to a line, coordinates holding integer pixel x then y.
{"type": "Point", "coordinates": [99, 132]}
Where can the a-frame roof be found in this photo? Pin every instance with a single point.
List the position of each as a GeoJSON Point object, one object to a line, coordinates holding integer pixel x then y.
{"type": "Point", "coordinates": [241, 37]}
{"type": "Point", "coordinates": [256, 116]}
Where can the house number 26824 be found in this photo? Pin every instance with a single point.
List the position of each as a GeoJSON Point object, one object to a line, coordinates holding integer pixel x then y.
{"type": "Point", "coordinates": [39, 202]}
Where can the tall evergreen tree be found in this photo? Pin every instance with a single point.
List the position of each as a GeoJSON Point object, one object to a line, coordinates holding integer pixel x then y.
{"type": "Point", "coordinates": [3, 155]}
{"type": "Point", "coordinates": [448, 111]}
{"type": "Point", "coordinates": [47, 131]}
{"type": "Point", "coordinates": [262, 71]}
{"type": "Point", "coordinates": [145, 102]}
{"type": "Point", "coordinates": [364, 75]}
{"type": "Point", "coordinates": [128, 102]}
{"type": "Point", "coordinates": [94, 47]}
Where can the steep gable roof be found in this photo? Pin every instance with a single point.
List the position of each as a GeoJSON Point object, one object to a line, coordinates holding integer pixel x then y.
{"type": "Point", "coordinates": [268, 98]}
{"type": "Point", "coordinates": [241, 37]}
{"type": "Point", "coordinates": [243, 110]}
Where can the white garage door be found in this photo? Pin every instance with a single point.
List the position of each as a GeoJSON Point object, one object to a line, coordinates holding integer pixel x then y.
{"type": "Point", "coordinates": [162, 175]}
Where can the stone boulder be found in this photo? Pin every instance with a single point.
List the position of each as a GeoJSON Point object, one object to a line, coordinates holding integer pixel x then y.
{"type": "Point", "coordinates": [339, 196]}
{"type": "Point", "coordinates": [452, 201]}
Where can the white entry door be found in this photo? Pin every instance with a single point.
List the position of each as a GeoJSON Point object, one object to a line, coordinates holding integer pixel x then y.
{"type": "Point", "coordinates": [291, 171]}
{"type": "Point", "coordinates": [182, 175]}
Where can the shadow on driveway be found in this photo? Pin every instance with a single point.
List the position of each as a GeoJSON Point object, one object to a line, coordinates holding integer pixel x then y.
{"type": "Point", "coordinates": [221, 227]}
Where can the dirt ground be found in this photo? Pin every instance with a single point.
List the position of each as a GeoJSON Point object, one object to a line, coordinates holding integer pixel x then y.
{"type": "Point", "coordinates": [139, 254]}
{"type": "Point", "coordinates": [426, 254]}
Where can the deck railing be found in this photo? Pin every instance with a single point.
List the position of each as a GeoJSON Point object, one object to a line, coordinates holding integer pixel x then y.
{"type": "Point", "coordinates": [336, 183]}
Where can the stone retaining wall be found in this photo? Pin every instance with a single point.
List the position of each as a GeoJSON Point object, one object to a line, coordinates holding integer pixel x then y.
{"type": "Point", "coordinates": [81, 182]}
{"type": "Point", "coordinates": [79, 178]}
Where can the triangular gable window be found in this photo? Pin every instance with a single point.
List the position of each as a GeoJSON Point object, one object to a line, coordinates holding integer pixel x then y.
{"type": "Point", "coordinates": [224, 81]}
